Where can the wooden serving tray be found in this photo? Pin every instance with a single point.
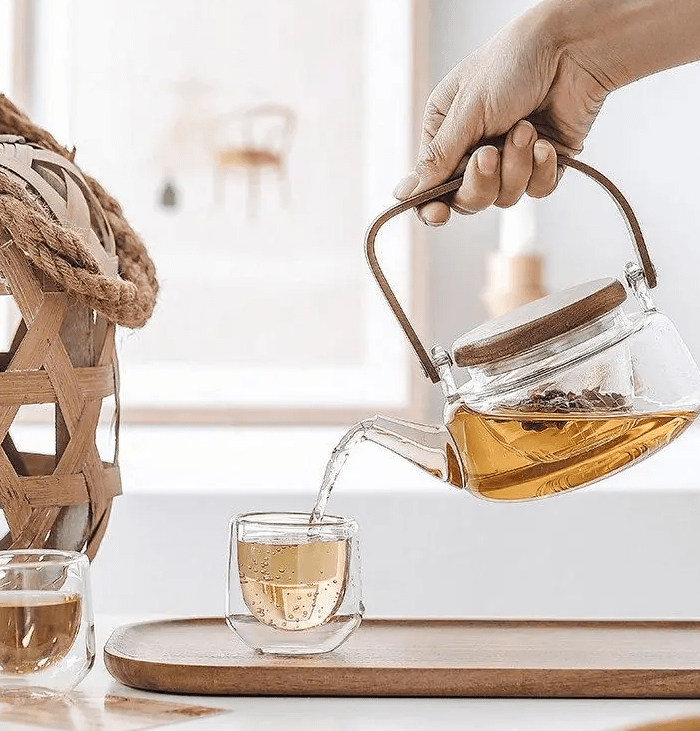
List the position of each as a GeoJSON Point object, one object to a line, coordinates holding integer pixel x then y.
{"type": "Point", "coordinates": [555, 659]}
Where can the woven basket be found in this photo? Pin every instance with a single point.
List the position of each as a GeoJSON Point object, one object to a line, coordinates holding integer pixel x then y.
{"type": "Point", "coordinates": [63, 354]}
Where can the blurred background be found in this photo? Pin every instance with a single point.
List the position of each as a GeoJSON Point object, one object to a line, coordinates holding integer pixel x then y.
{"type": "Point", "coordinates": [251, 144]}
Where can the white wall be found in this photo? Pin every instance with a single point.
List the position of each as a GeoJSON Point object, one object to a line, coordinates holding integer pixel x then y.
{"type": "Point", "coordinates": [643, 139]}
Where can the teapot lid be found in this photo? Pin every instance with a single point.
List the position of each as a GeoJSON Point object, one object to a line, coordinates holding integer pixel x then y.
{"type": "Point", "coordinates": [537, 322]}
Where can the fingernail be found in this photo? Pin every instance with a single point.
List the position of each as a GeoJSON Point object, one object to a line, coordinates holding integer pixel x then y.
{"type": "Point", "coordinates": [487, 160]}
{"type": "Point", "coordinates": [427, 221]}
{"type": "Point", "coordinates": [522, 134]}
{"type": "Point", "coordinates": [541, 152]}
{"type": "Point", "coordinates": [406, 186]}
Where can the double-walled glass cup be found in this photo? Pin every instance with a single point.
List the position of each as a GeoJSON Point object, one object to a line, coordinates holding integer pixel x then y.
{"type": "Point", "coordinates": [294, 588]}
{"type": "Point", "coordinates": [47, 634]}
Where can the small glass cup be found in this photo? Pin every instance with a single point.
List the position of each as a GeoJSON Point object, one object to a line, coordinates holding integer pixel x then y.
{"type": "Point", "coordinates": [47, 634]}
{"type": "Point", "coordinates": [294, 588]}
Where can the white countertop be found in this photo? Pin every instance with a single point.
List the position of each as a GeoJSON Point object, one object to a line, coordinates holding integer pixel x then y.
{"type": "Point", "coordinates": [359, 714]}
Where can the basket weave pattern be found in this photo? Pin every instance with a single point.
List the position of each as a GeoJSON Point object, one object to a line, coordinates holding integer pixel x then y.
{"type": "Point", "coordinates": [52, 361]}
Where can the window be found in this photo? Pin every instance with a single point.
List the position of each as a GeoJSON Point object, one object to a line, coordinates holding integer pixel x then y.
{"type": "Point", "coordinates": [250, 144]}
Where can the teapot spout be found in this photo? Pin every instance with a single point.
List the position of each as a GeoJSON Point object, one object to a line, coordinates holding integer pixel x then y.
{"type": "Point", "coordinates": [428, 447]}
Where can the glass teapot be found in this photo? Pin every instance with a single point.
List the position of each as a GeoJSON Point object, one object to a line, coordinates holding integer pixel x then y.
{"type": "Point", "coordinates": [558, 393]}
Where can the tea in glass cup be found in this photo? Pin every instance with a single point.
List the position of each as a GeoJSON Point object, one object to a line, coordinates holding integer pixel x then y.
{"type": "Point", "coordinates": [293, 586]}
{"type": "Point", "coordinates": [47, 641]}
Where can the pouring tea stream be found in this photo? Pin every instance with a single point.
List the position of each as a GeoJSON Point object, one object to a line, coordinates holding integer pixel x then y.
{"type": "Point", "coordinates": [557, 394]}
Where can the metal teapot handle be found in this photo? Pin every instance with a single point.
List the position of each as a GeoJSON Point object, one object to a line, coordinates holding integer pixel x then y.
{"type": "Point", "coordinates": [452, 185]}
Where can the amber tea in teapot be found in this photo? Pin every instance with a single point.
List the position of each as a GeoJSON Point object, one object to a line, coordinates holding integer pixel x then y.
{"type": "Point", "coordinates": [556, 394]}
{"type": "Point", "coordinates": [516, 454]}
{"type": "Point", "coordinates": [519, 456]}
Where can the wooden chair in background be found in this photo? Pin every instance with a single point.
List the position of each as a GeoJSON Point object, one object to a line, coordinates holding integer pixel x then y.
{"type": "Point", "coordinates": [253, 141]}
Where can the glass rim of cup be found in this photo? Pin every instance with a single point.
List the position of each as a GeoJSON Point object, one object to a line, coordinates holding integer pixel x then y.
{"type": "Point", "coordinates": [298, 519]}
{"type": "Point", "coordinates": [57, 558]}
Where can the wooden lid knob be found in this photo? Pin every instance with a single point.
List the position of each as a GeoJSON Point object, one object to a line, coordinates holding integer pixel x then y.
{"type": "Point", "coordinates": [537, 322]}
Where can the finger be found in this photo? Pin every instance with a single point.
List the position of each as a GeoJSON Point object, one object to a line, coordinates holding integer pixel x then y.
{"type": "Point", "coordinates": [434, 213]}
{"type": "Point", "coordinates": [516, 163]}
{"type": "Point", "coordinates": [437, 213]}
{"type": "Point", "coordinates": [544, 170]}
{"type": "Point", "coordinates": [481, 183]}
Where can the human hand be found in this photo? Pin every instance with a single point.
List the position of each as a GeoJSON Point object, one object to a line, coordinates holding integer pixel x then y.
{"type": "Point", "coordinates": [522, 92]}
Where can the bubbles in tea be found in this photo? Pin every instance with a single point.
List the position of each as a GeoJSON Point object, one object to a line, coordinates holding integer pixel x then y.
{"type": "Point", "coordinates": [293, 587]}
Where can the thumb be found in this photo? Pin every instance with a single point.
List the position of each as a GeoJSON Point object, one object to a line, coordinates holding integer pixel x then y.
{"type": "Point", "coordinates": [446, 138]}
{"type": "Point", "coordinates": [441, 154]}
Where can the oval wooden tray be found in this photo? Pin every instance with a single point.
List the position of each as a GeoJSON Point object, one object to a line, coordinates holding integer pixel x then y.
{"type": "Point", "coordinates": [556, 659]}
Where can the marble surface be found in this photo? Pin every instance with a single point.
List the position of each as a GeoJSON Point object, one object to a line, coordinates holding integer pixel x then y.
{"type": "Point", "coordinates": [102, 704]}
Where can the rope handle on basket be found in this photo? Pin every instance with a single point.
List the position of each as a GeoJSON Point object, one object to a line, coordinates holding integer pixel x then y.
{"type": "Point", "coordinates": [451, 185]}
{"type": "Point", "coordinates": [61, 253]}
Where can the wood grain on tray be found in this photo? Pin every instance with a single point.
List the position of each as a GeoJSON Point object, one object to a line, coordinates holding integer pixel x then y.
{"type": "Point", "coordinates": [556, 659]}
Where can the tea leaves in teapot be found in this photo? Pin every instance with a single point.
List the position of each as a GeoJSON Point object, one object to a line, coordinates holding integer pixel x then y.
{"type": "Point", "coordinates": [555, 401]}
